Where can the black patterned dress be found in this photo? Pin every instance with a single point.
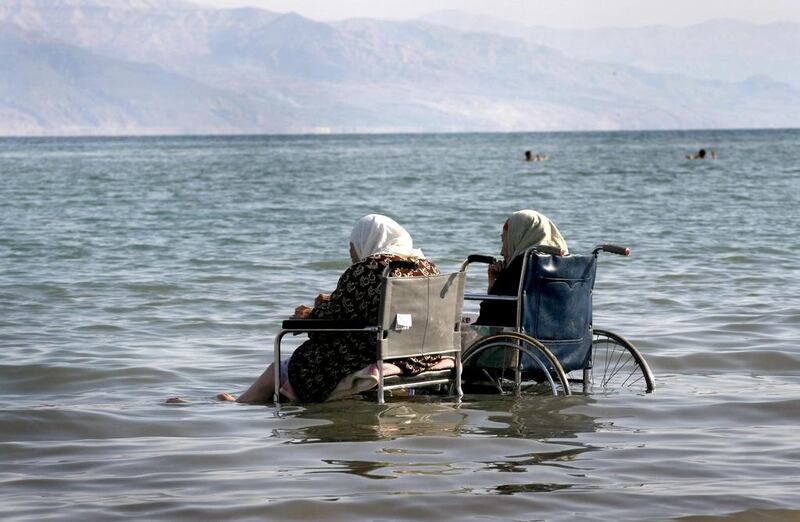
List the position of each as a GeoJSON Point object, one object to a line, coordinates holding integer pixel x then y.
{"type": "Point", "coordinates": [317, 365]}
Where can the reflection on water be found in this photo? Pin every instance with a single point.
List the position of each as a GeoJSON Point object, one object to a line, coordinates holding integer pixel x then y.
{"type": "Point", "coordinates": [512, 489]}
{"type": "Point", "coordinates": [532, 417]}
{"type": "Point", "coordinates": [420, 427]}
{"type": "Point", "coordinates": [359, 419]}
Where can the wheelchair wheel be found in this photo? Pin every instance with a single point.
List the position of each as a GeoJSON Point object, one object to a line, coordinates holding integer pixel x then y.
{"type": "Point", "coordinates": [616, 364]}
{"type": "Point", "coordinates": [509, 377]}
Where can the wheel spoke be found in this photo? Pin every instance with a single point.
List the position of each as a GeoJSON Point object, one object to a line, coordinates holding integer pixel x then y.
{"type": "Point", "coordinates": [548, 365]}
{"type": "Point", "coordinates": [618, 364]}
{"type": "Point", "coordinates": [639, 378]}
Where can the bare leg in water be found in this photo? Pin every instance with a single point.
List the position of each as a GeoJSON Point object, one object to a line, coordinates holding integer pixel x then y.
{"type": "Point", "coordinates": [261, 391]}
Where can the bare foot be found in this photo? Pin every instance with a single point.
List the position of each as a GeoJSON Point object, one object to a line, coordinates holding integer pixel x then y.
{"type": "Point", "coordinates": [176, 400]}
{"type": "Point", "coordinates": [225, 397]}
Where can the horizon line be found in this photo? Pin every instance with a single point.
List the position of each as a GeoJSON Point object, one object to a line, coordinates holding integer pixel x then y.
{"type": "Point", "coordinates": [370, 134]}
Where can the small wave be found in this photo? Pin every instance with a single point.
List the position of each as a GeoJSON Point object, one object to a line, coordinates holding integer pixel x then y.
{"type": "Point", "coordinates": [235, 241]}
{"type": "Point", "coordinates": [50, 290]}
{"type": "Point", "coordinates": [206, 324]}
{"type": "Point", "coordinates": [95, 421]}
{"type": "Point", "coordinates": [72, 253]}
{"type": "Point", "coordinates": [149, 288]}
{"type": "Point", "coordinates": [723, 410]}
{"type": "Point", "coordinates": [747, 516]}
{"type": "Point", "coordinates": [144, 247]}
{"type": "Point", "coordinates": [47, 379]}
{"type": "Point", "coordinates": [99, 328]}
{"type": "Point", "coordinates": [224, 279]}
{"type": "Point", "coordinates": [752, 362]}
{"type": "Point", "coordinates": [333, 264]}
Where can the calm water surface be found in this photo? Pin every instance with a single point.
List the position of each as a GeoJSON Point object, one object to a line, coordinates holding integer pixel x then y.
{"type": "Point", "coordinates": [132, 270]}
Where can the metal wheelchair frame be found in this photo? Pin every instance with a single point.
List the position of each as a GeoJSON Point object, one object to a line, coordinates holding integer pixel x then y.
{"type": "Point", "coordinates": [440, 333]}
{"type": "Point", "coordinates": [622, 366]}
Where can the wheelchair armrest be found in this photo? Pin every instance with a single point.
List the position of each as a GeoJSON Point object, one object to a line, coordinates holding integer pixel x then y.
{"type": "Point", "coordinates": [489, 297]}
{"type": "Point", "coordinates": [324, 324]}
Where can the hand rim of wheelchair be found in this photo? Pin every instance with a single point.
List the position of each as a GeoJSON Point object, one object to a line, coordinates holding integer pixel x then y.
{"type": "Point", "coordinates": [622, 365]}
{"type": "Point", "coordinates": [517, 341]}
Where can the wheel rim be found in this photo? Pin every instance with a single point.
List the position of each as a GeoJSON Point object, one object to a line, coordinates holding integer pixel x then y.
{"type": "Point", "coordinates": [617, 365]}
{"type": "Point", "coordinates": [505, 380]}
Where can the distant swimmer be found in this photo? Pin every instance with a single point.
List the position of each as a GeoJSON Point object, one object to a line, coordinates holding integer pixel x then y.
{"type": "Point", "coordinates": [701, 154]}
{"type": "Point", "coordinates": [530, 156]}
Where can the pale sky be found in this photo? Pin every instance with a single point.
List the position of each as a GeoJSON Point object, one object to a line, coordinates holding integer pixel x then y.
{"type": "Point", "coordinates": [552, 13]}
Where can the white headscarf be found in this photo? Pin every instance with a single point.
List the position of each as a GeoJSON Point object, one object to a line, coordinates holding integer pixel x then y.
{"type": "Point", "coordinates": [377, 234]}
{"type": "Point", "coordinates": [527, 228]}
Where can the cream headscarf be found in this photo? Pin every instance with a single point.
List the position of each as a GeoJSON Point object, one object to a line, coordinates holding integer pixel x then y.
{"type": "Point", "coordinates": [527, 228]}
{"type": "Point", "coordinates": [377, 234]}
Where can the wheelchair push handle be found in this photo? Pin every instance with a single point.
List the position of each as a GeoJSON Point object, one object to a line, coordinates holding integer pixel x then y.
{"type": "Point", "coordinates": [612, 249]}
{"type": "Point", "coordinates": [402, 263]}
{"type": "Point", "coordinates": [479, 258]}
{"type": "Point", "coordinates": [490, 260]}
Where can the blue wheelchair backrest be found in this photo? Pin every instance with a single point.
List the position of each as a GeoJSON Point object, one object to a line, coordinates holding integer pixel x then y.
{"type": "Point", "coordinates": [557, 305]}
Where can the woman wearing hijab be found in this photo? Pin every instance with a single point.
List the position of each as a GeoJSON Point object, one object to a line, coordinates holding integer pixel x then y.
{"type": "Point", "coordinates": [524, 229]}
{"type": "Point", "coordinates": [316, 367]}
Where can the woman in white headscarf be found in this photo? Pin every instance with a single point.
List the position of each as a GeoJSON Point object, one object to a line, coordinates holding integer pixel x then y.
{"type": "Point", "coordinates": [376, 234]}
{"type": "Point", "coordinates": [522, 230]}
{"type": "Point", "coordinates": [319, 364]}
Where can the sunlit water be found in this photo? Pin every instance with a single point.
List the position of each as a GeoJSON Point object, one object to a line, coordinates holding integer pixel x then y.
{"type": "Point", "coordinates": [132, 270]}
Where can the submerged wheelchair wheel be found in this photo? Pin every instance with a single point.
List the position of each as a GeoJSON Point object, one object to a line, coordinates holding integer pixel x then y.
{"type": "Point", "coordinates": [510, 377]}
{"type": "Point", "coordinates": [616, 364]}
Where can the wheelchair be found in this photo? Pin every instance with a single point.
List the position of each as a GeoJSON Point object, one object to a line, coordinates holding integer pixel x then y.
{"type": "Point", "coordinates": [417, 316]}
{"type": "Point", "coordinates": [553, 344]}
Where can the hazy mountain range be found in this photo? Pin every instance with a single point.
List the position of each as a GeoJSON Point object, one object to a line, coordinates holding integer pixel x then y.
{"type": "Point", "coordinates": [727, 50]}
{"type": "Point", "coordinates": [161, 66]}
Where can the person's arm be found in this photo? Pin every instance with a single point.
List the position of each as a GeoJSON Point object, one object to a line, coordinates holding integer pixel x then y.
{"type": "Point", "coordinates": [493, 272]}
{"type": "Point", "coordinates": [322, 303]}
{"type": "Point", "coordinates": [502, 313]}
{"type": "Point", "coordinates": [335, 307]}
{"type": "Point", "coordinates": [301, 312]}
{"type": "Point", "coordinates": [304, 312]}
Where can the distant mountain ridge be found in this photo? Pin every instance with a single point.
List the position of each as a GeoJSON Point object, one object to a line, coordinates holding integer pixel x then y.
{"type": "Point", "coordinates": [136, 67]}
{"type": "Point", "coordinates": [721, 49]}
{"type": "Point", "coordinates": [68, 90]}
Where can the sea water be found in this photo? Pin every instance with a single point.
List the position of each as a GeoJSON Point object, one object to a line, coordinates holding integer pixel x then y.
{"type": "Point", "coordinates": [137, 269]}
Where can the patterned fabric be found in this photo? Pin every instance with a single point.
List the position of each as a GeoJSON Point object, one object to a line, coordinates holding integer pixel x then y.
{"type": "Point", "coordinates": [317, 365]}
